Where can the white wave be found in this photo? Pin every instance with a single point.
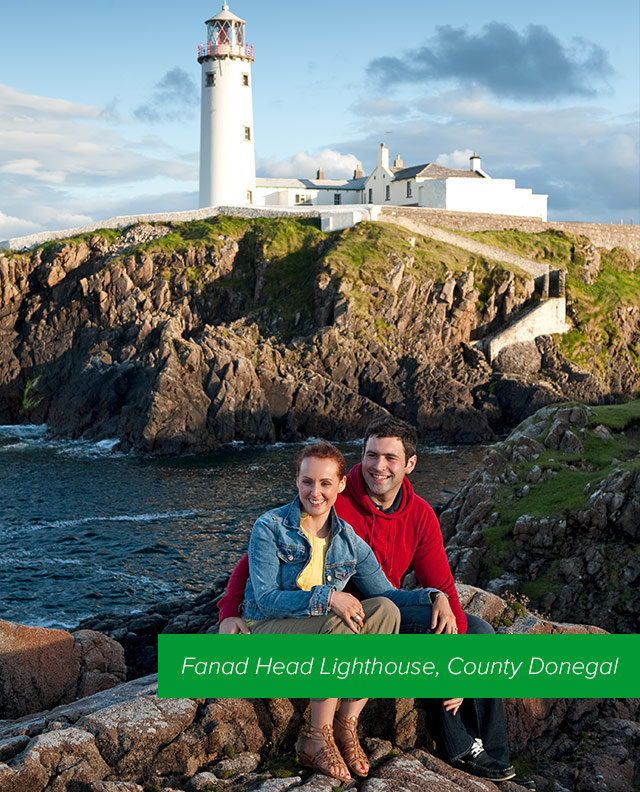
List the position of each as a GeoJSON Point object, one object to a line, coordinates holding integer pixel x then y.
{"type": "Point", "coordinates": [28, 436]}
{"type": "Point", "coordinates": [23, 432]}
{"type": "Point", "coordinates": [144, 517]}
{"type": "Point", "coordinates": [41, 525]}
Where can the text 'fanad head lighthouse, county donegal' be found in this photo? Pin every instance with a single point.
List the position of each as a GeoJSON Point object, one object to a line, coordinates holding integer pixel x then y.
{"type": "Point", "coordinates": [227, 156]}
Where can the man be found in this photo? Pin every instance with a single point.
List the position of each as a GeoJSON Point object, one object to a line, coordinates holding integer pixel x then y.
{"type": "Point", "coordinates": [403, 531]}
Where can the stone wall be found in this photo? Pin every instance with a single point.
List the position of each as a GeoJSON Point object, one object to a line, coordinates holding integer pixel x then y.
{"type": "Point", "coordinates": [546, 318]}
{"type": "Point", "coordinates": [605, 235]}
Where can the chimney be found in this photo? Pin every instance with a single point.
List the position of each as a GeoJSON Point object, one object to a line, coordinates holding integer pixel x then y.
{"type": "Point", "coordinates": [320, 173]}
{"type": "Point", "coordinates": [474, 162]}
{"type": "Point", "coordinates": [398, 163]}
{"type": "Point", "coordinates": [383, 156]}
{"type": "Point", "coordinates": [358, 172]}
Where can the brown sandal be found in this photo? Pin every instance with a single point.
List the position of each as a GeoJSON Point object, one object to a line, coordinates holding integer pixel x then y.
{"type": "Point", "coordinates": [350, 745]}
{"type": "Point", "coordinates": [326, 757]}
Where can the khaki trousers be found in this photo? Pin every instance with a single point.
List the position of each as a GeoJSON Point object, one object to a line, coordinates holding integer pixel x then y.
{"type": "Point", "coordinates": [380, 616]}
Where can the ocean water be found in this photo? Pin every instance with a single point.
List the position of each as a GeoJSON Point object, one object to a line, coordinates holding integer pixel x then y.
{"type": "Point", "coordinates": [84, 530]}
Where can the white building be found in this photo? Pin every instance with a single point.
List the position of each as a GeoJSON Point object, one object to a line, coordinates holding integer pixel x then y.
{"type": "Point", "coordinates": [227, 158]}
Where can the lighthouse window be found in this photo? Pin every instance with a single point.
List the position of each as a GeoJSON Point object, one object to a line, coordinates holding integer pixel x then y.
{"type": "Point", "coordinates": [245, 80]}
{"type": "Point", "coordinates": [210, 79]}
{"type": "Point", "coordinates": [247, 133]}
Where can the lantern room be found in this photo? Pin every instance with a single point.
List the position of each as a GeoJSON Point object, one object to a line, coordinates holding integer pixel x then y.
{"type": "Point", "coordinates": [225, 37]}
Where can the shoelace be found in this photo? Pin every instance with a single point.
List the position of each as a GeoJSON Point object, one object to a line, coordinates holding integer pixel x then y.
{"type": "Point", "coordinates": [476, 748]}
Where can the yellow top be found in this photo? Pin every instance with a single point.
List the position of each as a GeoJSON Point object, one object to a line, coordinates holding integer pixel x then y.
{"type": "Point", "coordinates": [313, 574]}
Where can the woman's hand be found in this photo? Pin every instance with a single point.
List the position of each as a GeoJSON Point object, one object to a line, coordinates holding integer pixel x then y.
{"type": "Point", "coordinates": [349, 609]}
{"type": "Point", "coordinates": [233, 625]}
{"type": "Point", "coordinates": [443, 619]}
{"type": "Point", "coordinates": [452, 705]}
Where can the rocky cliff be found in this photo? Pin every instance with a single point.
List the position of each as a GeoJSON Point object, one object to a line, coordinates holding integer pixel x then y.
{"type": "Point", "coordinates": [554, 513]}
{"type": "Point", "coordinates": [182, 338]}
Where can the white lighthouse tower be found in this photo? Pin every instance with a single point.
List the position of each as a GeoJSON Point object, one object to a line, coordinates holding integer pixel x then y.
{"type": "Point", "coordinates": [227, 156]}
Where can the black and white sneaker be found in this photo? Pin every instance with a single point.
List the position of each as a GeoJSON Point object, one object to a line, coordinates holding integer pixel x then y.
{"type": "Point", "coordinates": [478, 762]}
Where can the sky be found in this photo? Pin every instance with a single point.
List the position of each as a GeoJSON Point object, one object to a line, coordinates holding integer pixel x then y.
{"type": "Point", "coordinates": [100, 103]}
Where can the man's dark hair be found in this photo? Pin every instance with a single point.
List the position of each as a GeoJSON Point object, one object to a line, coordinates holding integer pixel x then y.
{"type": "Point", "coordinates": [388, 426]}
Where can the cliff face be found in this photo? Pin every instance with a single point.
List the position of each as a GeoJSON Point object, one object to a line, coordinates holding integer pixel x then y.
{"type": "Point", "coordinates": [554, 513]}
{"type": "Point", "coordinates": [184, 338]}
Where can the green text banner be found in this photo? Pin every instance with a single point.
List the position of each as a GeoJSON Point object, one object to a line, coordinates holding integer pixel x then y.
{"type": "Point", "coordinates": [399, 666]}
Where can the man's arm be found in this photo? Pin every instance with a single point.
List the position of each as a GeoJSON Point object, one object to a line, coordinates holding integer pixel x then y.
{"type": "Point", "coordinates": [229, 605]}
{"type": "Point", "coordinates": [432, 569]}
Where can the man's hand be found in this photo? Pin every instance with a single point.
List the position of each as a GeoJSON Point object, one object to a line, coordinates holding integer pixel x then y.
{"type": "Point", "coordinates": [349, 609]}
{"type": "Point", "coordinates": [452, 705]}
{"type": "Point", "coordinates": [443, 619]}
{"type": "Point", "coordinates": [233, 625]}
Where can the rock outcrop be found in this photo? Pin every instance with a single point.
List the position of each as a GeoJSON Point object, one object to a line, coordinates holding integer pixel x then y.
{"type": "Point", "coordinates": [41, 668]}
{"type": "Point", "coordinates": [126, 739]}
{"type": "Point", "coordinates": [554, 513]}
{"type": "Point", "coordinates": [176, 339]}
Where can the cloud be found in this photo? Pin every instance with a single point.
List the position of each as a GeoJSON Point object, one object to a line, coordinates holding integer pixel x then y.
{"type": "Point", "coordinates": [455, 159]}
{"type": "Point", "coordinates": [587, 162]}
{"type": "Point", "coordinates": [533, 65]}
{"type": "Point", "coordinates": [62, 164]}
{"type": "Point", "coordinates": [380, 107]}
{"type": "Point", "coordinates": [174, 98]}
{"type": "Point", "coordinates": [304, 165]}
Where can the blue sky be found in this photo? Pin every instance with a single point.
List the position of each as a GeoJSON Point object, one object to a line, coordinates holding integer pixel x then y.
{"type": "Point", "coordinates": [99, 104]}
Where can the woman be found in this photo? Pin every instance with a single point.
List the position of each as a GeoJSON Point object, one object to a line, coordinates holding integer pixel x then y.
{"type": "Point", "coordinates": [301, 557]}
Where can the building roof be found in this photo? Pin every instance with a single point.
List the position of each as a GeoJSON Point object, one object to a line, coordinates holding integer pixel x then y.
{"type": "Point", "coordinates": [312, 184]}
{"type": "Point", "coordinates": [225, 14]}
{"type": "Point", "coordinates": [432, 171]}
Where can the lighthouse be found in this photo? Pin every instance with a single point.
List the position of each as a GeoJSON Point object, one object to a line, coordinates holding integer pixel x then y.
{"type": "Point", "coordinates": [227, 155]}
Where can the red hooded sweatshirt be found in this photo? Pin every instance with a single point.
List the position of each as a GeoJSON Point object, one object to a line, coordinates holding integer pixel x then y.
{"type": "Point", "coordinates": [408, 538]}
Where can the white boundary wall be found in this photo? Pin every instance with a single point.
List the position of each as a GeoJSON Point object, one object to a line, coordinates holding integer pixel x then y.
{"type": "Point", "coordinates": [331, 219]}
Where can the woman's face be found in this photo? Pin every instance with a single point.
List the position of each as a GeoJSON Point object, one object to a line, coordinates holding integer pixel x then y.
{"type": "Point", "coordinates": [318, 485]}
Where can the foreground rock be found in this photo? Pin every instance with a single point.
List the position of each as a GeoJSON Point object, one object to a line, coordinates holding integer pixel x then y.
{"type": "Point", "coordinates": [126, 736]}
{"type": "Point", "coordinates": [554, 513]}
{"type": "Point", "coordinates": [41, 668]}
{"type": "Point", "coordinates": [271, 330]}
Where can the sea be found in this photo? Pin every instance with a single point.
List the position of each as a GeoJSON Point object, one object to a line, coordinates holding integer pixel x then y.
{"type": "Point", "coordinates": [85, 529]}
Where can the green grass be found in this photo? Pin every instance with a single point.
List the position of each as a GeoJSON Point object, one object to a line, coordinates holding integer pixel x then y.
{"type": "Point", "coordinates": [552, 246]}
{"type": "Point", "coordinates": [364, 256]}
{"type": "Point", "coordinates": [566, 484]}
{"type": "Point", "coordinates": [616, 416]}
{"type": "Point", "coordinates": [110, 234]}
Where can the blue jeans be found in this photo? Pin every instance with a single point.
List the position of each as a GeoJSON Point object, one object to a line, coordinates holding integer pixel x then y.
{"type": "Point", "coordinates": [483, 718]}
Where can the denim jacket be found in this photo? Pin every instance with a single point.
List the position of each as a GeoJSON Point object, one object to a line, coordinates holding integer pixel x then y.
{"type": "Point", "coordinates": [278, 552]}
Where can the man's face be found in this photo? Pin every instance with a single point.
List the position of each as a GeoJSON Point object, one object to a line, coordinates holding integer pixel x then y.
{"type": "Point", "coordinates": [383, 468]}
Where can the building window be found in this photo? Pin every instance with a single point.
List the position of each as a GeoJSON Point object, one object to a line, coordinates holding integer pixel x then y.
{"type": "Point", "coordinates": [210, 79]}
{"type": "Point", "coordinates": [249, 197]}
{"type": "Point", "coordinates": [245, 80]}
{"type": "Point", "coordinates": [337, 199]}
{"type": "Point", "coordinates": [409, 192]}
{"type": "Point", "coordinates": [303, 199]}
{"type": "Point", "coordinates": [370, 195]}
{"type": "Point", "coordinates": [247, 133]}
{"type": "Point", "coordinates": [387, 196]}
